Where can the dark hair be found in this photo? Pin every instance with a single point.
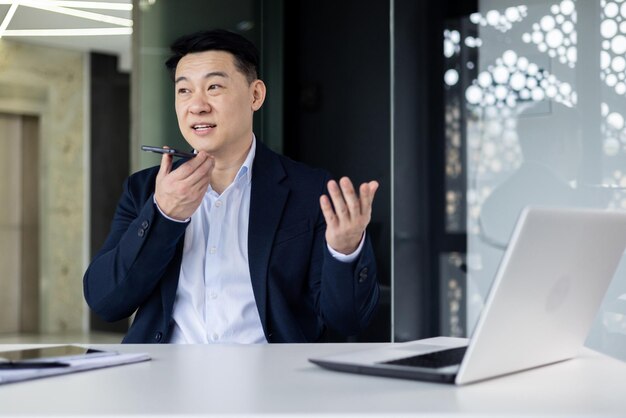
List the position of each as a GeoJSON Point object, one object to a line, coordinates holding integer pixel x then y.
{"type": "Point", "coordinates": [245, 53]}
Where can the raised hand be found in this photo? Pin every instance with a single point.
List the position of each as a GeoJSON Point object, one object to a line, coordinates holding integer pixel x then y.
{"type": "Point", "coordinates": [346, 223]}
{"type": "Point", "coordinates": [179, 193]}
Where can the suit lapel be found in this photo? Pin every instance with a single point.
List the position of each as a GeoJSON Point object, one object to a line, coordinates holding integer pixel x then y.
{"type": "Point", "coordinates": [169, 284]}
{"type": "Point", "coordinates": [267, 201]}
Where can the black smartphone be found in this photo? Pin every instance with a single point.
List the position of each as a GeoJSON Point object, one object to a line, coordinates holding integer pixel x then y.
{"type": "Point", "coordinates": [170, 151]}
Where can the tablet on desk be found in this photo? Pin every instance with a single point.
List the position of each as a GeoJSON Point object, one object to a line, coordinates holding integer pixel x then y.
{"type": "Point", "coordinates": [35, 363]}
{"type": "Point", "coordinates": [52, 354]}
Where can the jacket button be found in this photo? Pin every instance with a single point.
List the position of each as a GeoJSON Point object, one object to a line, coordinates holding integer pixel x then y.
{"type": "Point", "coordinates": [158, 336]}
{"type": "Point", "coordinates": [363, 275]}
{"type": "Point", "coordinates": [145, 224]}
{"type": "Point", "coordinates": [141, 232]}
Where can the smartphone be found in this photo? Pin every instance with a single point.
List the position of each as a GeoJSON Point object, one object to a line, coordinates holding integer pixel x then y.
{"type": "Point", "coordinates": [170, 151]}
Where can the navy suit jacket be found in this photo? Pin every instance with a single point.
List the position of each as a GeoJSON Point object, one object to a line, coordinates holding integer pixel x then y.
{"type": "Point", "coordinates": [298, 286]}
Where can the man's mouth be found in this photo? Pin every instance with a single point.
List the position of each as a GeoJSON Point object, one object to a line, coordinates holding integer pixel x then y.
{"type": "Point", "coordinates": [203, 126]}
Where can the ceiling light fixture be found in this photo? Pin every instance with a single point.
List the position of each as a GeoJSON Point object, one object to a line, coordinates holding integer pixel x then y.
{"type": "Point", "coordinates": [51, 7]}
{"type": "Point", "coordinates": [7, 18]}
{"type": "Point", "coordinates": [68, 32]}
{"type": "Point", "coordinates": [93, 5]}
{"type": "Point", "coordinates": [67, 8]}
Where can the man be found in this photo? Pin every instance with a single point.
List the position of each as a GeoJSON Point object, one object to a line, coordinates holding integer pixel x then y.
{"type": "Point", "coordinates": [238, 244]}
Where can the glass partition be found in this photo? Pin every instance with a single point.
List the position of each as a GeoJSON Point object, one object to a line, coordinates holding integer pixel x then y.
{"type": "Point", "coordinates": [535, 105]}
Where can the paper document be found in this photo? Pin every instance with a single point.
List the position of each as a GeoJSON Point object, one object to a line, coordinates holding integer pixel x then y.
{"type": "Point", "coordinates": [74, 365]}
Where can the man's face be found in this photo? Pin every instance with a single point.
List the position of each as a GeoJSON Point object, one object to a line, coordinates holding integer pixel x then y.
{"type": "Point", "coordinates": [215, 103]}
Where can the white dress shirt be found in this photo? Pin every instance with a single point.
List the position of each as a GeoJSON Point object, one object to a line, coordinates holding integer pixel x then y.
{"type": "Point", "coordinates": [214, 300]}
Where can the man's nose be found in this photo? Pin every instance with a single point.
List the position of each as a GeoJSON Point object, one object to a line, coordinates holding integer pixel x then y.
{"type": "Point", "coordinates": [200, 105]}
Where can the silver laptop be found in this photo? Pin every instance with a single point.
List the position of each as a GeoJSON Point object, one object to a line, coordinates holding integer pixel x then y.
{"type": "Point", "coordinates": [549, 285]}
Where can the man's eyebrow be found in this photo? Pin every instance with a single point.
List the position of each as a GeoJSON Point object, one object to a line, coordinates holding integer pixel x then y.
{"type": "Point", "coordinates": [207, 75]}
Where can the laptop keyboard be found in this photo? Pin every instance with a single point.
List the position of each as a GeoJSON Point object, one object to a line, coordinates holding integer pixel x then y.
{"type": "Point", "coordinates": [434, 360]}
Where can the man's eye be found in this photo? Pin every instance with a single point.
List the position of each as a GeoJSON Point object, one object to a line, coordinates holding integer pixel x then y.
{"type": "Point", "coordinates": [183, 91]}
{"type": "Point", "coordinates": [214, 86]}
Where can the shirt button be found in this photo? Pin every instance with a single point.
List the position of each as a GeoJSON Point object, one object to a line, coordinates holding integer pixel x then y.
{"type": "Point", "coordinates": [215, 337]}
{"type": "Point", "coordinates": [145, 224]}
{"type": "Point", "coordinates": [141, 232]}
{"type": "Point", "coordinates": [212, 250]}
{"type": "Point", "coordinates": [213, 296]}
{"type": "Point", "coordinates": [218, 204]}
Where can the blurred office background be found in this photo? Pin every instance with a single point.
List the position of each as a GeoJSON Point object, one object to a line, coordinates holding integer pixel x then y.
{"type": "Point", "coordinates": [465, 111]}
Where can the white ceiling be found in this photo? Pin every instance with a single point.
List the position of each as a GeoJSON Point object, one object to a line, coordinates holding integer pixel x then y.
{"type": "Point", "coordinates": [30, 15]}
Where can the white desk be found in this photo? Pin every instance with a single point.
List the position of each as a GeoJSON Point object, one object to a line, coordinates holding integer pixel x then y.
{"type": "Point", "coordinates": [278, 379]}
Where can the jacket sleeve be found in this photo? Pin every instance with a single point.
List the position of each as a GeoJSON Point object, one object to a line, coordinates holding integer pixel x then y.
{"type": "Point", "coordinates": [134, 256]}
{"type": "Point", "coordinates": [349, 292]}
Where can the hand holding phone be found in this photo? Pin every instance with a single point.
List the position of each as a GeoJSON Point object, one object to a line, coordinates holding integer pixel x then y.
{"type": "Point", "coordinates": [179, 192]}
{"type": "Point", "coordinates": [170, 151]}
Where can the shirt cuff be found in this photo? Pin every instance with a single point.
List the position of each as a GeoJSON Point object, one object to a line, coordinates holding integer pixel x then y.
{"type": "Point", "coordinates": [346, 258]}
{"type": "Point", "coordinates": [164, 215]}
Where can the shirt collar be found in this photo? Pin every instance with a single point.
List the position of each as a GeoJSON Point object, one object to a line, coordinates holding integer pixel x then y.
{"type": "Point", "coordinates": [245, 172]}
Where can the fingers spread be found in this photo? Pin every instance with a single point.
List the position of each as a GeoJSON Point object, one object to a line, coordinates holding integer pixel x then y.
{"type": "Point", "coordinates": [350, 197]}
{"type": "Point", "coordinates": [347, 204]}
{"type": "Point", "coordinates": [366, 196]}
{"type": "Point", "coordinates": [341, 210]}
{"type": "Point", "coordinates": [327, 211]}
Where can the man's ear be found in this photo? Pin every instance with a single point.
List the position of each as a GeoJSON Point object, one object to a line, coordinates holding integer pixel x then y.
{"type": "Point", "coordinates": [258, 94]}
